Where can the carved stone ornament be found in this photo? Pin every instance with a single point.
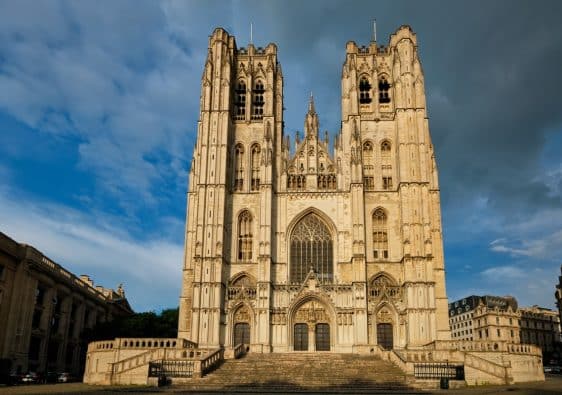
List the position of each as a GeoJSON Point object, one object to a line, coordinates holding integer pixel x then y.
{"type": "Point", "coordinates": [242, 314]}
{"type": "Point", "coordinates": [311, 312]}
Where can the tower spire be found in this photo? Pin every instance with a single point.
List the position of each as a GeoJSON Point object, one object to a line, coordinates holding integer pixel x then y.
{"type": "Point", "coordinates": [311, 108]}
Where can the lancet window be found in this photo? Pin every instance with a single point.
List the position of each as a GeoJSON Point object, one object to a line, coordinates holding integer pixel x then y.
{"type": "Point", "coordinates": [364, 91]}
{"type": "Point", "coordinates": [258, 100]}
{"type": "Point", "coordinates": [380, 234]}
{"type": "Point", "coordinates": [384, 88]}
{"type": "Point", "coordinates": [240, 101]}
{"type": "Point", "coordinates": [368, 166]}
{"type": "Point", "coordinates": [239, 167]}
{"type": "Point", "coordinates": [255, 166]}
{"type": "Point", "coordinates": [311, 247]}
{"type": "Point", "coordinates": [245, 236]}
{"type": "Point", "coordinates": [385, 149]}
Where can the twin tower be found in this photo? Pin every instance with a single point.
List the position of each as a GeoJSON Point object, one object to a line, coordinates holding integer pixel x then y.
{"type": "Point", "coordinates": [325, 249]}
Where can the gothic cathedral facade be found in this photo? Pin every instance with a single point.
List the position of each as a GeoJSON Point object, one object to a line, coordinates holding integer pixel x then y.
{"type": "Point", "coordinates": [308, 248]}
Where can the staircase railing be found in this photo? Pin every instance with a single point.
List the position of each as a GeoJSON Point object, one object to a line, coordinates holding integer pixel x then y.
{"type": "Point", "coordinates": [211, 361]}
{"type": "Point", "coordinates": [486, 366]}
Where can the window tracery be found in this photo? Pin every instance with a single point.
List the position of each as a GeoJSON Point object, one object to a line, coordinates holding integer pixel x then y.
{"type": "Point", "coordinates": [383, 285]}
{"type": "Point", "coordinates": [364, 91]}
{"type": "Point", "coordinates": [380, 235]}
{"type": "Point", "coordinates": [384, 87]}
{"type": "Point", "coordinates": [240, 101]}
{"type": "Point", "coordinates": [258, 100]}
{"type": "Point", "coordinates": [311, 247]}
{"type": "Point", "coordinates": [245, 236]}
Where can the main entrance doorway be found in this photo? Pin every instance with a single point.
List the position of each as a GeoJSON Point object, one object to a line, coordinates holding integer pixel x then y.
{"type": "Point", "coordinates": [242, 333]}
{"type": "Point", "coordinates": [301, 337]}
{"type": "Point", "coordinates": [322, 337]}
{"type": "Point", "coordinates": [384, 336]}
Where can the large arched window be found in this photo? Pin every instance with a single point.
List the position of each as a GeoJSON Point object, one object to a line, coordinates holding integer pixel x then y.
{"type": "Point", "coordinates": [245, 236]}
{"type": "Point", "coordinates": [258, 100]}
{"type": "Point", "coordinates": [311, 247]}
{"type": "Point", "coordinates": [239, 167]}
{"type": "Point", "coordinates": [255, 166]}
{"type": "Point", "coordinates": [380, 234]}
{"type": "Point", "coordinates": [240, 100]}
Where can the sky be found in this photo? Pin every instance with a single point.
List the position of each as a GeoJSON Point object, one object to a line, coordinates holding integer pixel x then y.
{"type": "Point", "coordinates": [99, 106]}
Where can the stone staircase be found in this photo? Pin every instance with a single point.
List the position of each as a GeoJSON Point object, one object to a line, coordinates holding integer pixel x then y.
{"type": "Point", "coordinates": [290, 372]}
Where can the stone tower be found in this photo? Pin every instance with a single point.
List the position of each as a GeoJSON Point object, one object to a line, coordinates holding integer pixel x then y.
{"type": "Point", "coordinates": [313, 251]}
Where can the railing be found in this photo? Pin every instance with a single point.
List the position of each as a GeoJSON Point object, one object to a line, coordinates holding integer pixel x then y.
{"type": "Point", "coordinates": [211, 362]}
{"type": "Point", "coordinates": [483, 345]}
{"type": "Point", "coordinates": [136, 361]}
{"type": "Point", "coordinates": [438, 371]}
{"type": "Point", "coordinates": [486, 366]}
{"type": "Point", "coordinates": [239, 350]}
{"type": "Point", "coordinates": [172, 369]}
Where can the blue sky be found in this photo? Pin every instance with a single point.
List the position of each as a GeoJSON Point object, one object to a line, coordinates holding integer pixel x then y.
{"type": "Point", "coordinates": [99, 105]}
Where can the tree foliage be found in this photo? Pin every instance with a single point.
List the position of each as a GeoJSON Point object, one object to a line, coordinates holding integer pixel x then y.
{"type": "Point", "coordinates": [147, 324]}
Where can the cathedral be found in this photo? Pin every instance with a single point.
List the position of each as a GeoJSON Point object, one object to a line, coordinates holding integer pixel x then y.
{"type": "Point", "coordinates": [311, 251]}
{"type": "Point", "coordinates": [313, 246]}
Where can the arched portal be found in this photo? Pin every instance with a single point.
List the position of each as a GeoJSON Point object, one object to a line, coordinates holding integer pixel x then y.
{"type": "Point", "coordinates": [242, 320]}
{"type": "Point", "coordinates": [311, 329]}
{"type": "Point", "coordinates": [311, 246]}
{"type": "Point", "coordinates": [385, 328]}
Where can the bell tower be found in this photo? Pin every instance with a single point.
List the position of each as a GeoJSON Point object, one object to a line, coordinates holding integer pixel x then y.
{"type": "Point", "coordinates": [232, 174]}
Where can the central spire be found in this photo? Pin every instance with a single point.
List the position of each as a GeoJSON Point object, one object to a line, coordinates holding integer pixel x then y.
{"type": "Point", "coordinates": [311, 109]}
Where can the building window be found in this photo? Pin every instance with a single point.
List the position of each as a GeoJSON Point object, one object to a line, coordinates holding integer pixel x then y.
{"type": "Point", "coordinates": [239, 167]}
{"type": "Point", "coordinates": [384, 87]}
{"type": "Point", "coordinates": [364, 91]}
{"type": "Point", "coordinates": [387, 183]}
{"type": "Point", "coordinates": [240, 101]}
{"type": "Point", "coordinates": [245, 236]}
{"type": "Point", "coordinates": [385, 152]}
{"type": "Point", "coordinates": [380, 235]}
{"type": "Point", "coordinates": [258, 102]}
{"type": "Point", "coordinates": [1, 272]}
{"type": "Point", "coordinates": [499, 333]}
{"type": "Point", "coordinates": [311, 247]}
{"type": "Point", "coordinates": [255, 185]}
{"type": "Point", "coordinates": [368, 166]}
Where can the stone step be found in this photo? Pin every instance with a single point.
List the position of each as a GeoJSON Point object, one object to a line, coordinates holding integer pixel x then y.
{"type": "Point", "coordinates": [290, 372]}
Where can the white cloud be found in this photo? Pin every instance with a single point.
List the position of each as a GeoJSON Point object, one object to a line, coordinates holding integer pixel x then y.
{"type": "Point", "coordinates": [86, 244]}
{"type": "Point", "coordinates": [121, 81]}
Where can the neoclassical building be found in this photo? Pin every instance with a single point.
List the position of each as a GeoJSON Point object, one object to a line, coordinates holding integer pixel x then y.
{"type": "Point", "coordinates": [317, 245]}
{"type": "Point", "coordinates": [45, 310]}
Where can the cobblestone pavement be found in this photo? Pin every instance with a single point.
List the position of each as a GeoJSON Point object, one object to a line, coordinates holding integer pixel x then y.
{"type": "Point", "coordinates": [552, 385]}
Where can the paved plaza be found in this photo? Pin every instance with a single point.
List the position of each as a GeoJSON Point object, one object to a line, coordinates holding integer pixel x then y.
{"type": "Point", "coordinates": [552, 385]}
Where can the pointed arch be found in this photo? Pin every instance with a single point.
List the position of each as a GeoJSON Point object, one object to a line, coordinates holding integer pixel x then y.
{"type": "Point", "coordinates": [242, 279]}
{"type": "Point", "coordinates": [258, 98]}
{"type": "Point", "coordinates": [311, 246]}
{"type": "Point", "coordinates": [255, 155]}
{"type": "Point", "coordinates": [240, 100]}
{"type": "Point", "coordinates": [364, 89]}
{"type": "Point", "coordinates": [238, 167]}
{"type": "Point", "coordinates": [384, 89]}
{"type": "Point", "coordinates": [245, 236]}
{"type": "Point", "coordinates": [368, 165]}
{"type": "Point", "coordinates": [382, 284]}
{"type": "Point", "coordinates": [379, 224]}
